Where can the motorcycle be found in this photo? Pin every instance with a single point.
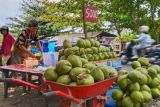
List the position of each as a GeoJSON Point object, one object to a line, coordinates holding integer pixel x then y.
{"type": "Point", "coordinates": [127, 55]}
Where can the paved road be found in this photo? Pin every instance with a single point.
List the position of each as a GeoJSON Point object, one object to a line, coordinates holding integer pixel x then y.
{"type": "Point", "coordinates": [127, 67]}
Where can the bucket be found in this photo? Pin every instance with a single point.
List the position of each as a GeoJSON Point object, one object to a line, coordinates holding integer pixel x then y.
{"type": "Point", "coordinates": [44, 44]}
{"type": "Point", "coordinates": [51, 46]}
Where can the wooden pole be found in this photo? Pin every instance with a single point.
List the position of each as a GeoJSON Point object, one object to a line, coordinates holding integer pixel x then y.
{"type": "Point", "coordinates": [84, 23]}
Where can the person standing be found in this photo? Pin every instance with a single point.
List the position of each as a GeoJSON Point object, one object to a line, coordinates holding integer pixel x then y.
{"type": "Point", "coordinates": [7, 44]}
{"type": "Point", "coordinates": [22, 43]}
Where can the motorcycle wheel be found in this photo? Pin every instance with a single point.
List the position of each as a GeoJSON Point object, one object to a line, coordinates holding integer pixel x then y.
{"type": "Point", "coordinates": [124, 60]}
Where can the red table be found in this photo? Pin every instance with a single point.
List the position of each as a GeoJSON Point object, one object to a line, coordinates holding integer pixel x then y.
{"type": "Point", "coordinates": [9, 71]}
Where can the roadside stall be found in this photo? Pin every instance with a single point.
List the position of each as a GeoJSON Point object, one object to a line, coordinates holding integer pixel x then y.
{"type": "Point", "coordinates": [71, 76]}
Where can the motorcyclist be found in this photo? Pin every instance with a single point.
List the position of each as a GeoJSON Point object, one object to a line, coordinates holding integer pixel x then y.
{"type": "Point", "coordinates": [144, 40]}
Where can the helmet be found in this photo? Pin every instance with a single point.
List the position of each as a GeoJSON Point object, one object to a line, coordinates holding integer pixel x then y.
{"type": "Point", "coordinates": [4, 28]}
{"type": "Point", "coordinates": [143, 29]}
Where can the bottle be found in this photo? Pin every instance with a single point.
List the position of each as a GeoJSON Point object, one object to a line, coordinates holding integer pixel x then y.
{"type": "Point", "coordinates": [34, 48]}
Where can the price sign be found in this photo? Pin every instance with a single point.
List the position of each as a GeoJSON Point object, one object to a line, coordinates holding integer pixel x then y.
{"type": "Point", "coordinates": [90, 14]}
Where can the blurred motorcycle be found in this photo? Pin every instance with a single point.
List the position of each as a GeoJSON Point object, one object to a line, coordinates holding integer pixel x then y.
{"type": "Point", "coordinates": [127, 54]}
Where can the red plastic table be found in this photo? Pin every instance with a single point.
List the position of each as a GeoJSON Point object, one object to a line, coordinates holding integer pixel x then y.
{"type": "Point", "coordinates": [10, 70]}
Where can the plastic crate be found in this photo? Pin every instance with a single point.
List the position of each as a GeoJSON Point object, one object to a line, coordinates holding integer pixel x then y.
{"type": "Point", "coordinates": [109, 63]}
{"type": "Point", "coordinates": [116, 63]}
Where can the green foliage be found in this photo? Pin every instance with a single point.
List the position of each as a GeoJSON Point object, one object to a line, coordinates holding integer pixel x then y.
{"type": "Point", "coordinates": [32, 9]}
{"type": "Point", "coordinates": [121, 14]}
{"type": "Point", "coordinates": [125, 37]}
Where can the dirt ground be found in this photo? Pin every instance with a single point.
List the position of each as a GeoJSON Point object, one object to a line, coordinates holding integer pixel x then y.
{"type": "Point", "coordinates": [17, 98]}
{"type": "Point", "coordinates": [31, 99]}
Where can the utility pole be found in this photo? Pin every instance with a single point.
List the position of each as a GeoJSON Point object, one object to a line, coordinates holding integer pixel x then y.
{"type": "Point", "coordinates": [84, 23]}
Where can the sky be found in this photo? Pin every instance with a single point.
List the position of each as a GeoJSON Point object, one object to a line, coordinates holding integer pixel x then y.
{"type": "Point", "coordinates": [10, 8]}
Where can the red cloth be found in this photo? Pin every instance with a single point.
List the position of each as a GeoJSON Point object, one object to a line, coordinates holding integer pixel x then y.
{"type": "Point", "coordinates": [7, 43]}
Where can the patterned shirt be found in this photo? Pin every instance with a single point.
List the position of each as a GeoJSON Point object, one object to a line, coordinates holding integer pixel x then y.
{"type": "Point", "coordinates": [24, 39]}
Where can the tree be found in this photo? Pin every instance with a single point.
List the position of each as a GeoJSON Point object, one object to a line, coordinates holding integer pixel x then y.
{"type": "Point", "coordinates": [32, 9]}
{"type": "Point", "coordinates": [121, 14]}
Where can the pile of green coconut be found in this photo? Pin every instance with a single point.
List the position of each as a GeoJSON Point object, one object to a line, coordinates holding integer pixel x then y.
{"type": "Point", "coordinates": [76, 71]}
{"type": "Point", "coordinates": [86, 48]}
{"type": "Point", "coordinates": [139, 86]}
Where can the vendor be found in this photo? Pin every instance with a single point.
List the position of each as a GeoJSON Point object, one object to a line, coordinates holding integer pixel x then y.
{"type": "Point", "coordinates": [7, 43]}
{"type": "Point", "coordinates": [20, 48]}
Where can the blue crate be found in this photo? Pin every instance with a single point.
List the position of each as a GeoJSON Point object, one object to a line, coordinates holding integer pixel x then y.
{"type": "Point", "coordinates": [110, 102]}
{"type": "Point", "coordinates": [116, 63]}
{"type": "Point", "coordinates": [109, 63]}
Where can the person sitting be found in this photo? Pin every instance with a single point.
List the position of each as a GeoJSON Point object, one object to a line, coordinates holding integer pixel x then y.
{"type": "Point", "coordinates": [144, 40]}
{"type": "Point", "coordinates": [7, 44]}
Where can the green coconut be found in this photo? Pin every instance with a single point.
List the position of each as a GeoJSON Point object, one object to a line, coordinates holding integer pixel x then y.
{"type": "Point", "coordinates": [104, 69]}
{"type": "Point", "coordinates": [147, 96]}
{"type": "Point", "coordinates": [84, 56]}
{"type": "Point", "coordinates": [157, 67]}
{"type": "Point", "coordinates": [89, 65]}
{"type": "Point", "coordinates": [95, 50]}
{"type": "Point", "coordinates": [67, 44]}
{"type": "Point", "coordinates": [142, 70]}
{"type": "Point", "coordinates": [135, 64]}
{"type": "Point", "coordinates": [92, 41]}
{"type": "Point", "coordinates": [75, 61]}
{"type": "Point", "coordinates": [155, 82]}
{"type": "Point", "coordinates": [62, 58]}
{"type": "Point", "coordinates": [64, 79]}
{"type": "Point", "coordinates": [85, 79]}
{"type": "Point", "coordinates": [145, 87]}
{"type": "Point", "coordinates": [117, 95]}
{"type": "Point", "coordinates": [135, 76]}
{"type": "Point", "coordinates": [88, 43]}
{"type": "Point", "coordinates": [50, 74]}
{"type": "Point", "coordinates": [123, 84]}
{"type": "Point", "coordinates": [84, 61]}
{"type": "Point", "coordinates": [121, 77]}
{"type": "Point", "coordinates": [69, 51]}
{"type": "Point", "coordinates": [63, 67]}
{"type": "Point", "coordinates": [97, 44]}
{"type": "Point", "coordinates": [134, 87]}
{"type": "Point", "coordinates": [144, 79]}
{"type": "Point", "coordinates": [97, 74]}
{"type": "Point", "coordinates": [81, 43]}
{"type": "Point", "coordinates": [75, 72]}
{"type": "Point", "coordinates": [144, 61]}
{"type": "Point", "coordinates": [61, 52]}
{"type": "Point", "coordinates": [155, 92]}
{"type": "Point", "coordinates": [82, 51]}
{"type": "Point", "coordinates": [127, 102]}
{"type": "Point", "coordinates": [152, 72]}
{"type": "Point", "coordinates": [137, 97]}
